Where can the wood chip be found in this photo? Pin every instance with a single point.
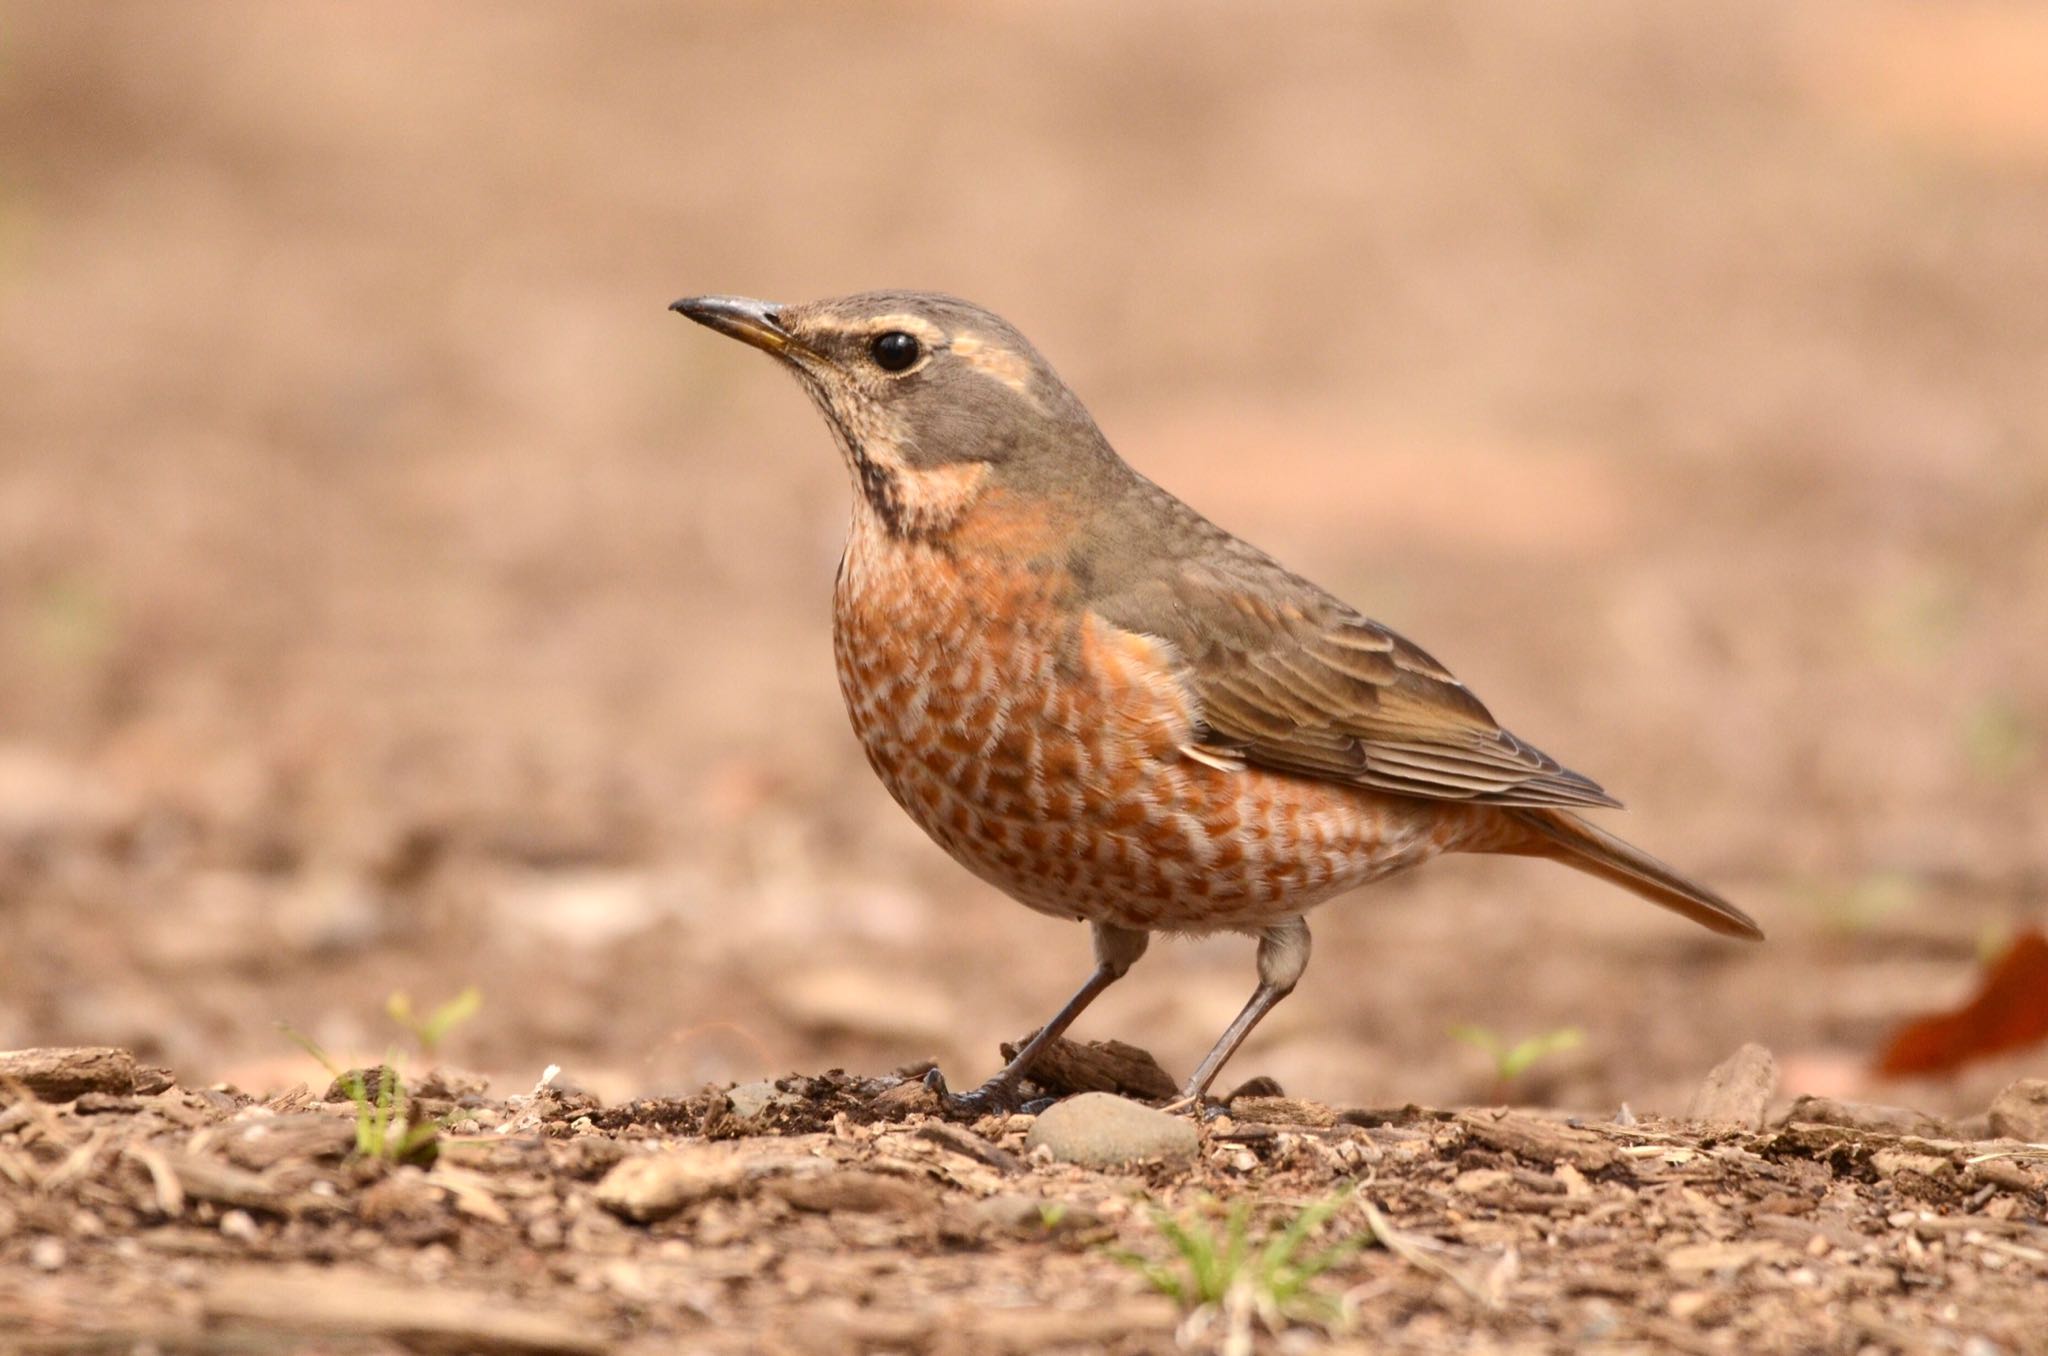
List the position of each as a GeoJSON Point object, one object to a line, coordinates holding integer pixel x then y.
{"type": "Point", "coordinates": [355, 1305]}
{"type": "Point", "coordinates": [853, 1192]}
{"type": "Point", "coordinates": [1065, 1068]}
{"type": "Point", "coordinates": [1738, 1090]}
{"type": "Point", "coordinates": [61, 1073]}
{"type": "Point", "coordinates": [1410, 1251]}
{"type": "Point", "coordinates": [1887, 1120]}
{"type": "Point", "coordinates": [1538, 1140]}
{"type": "Point", "coordinates": [1283, 1111]}
{"type": "Point", "coordinates": [967, 1143]}
{"type": "Point", "coordinates": [205, 1180]}
{"type": "Point", "coordinates": [298, 1136]}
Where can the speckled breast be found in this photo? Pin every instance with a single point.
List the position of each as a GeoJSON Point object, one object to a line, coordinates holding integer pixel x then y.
{"type": "Point", "coordinates": [1043, 749]}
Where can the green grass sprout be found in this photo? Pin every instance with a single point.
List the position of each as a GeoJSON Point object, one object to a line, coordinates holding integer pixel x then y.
{"type": "Point", "coordinates": [384, 1129]}
{"type": "Point", "coordinates": [1217, 1271]}
{"type": "Point", "coordinates": [385, 1124]}
{"type": "Point", "coordinates": [432, 1028]}
{"type": "Point", "coordinates": [1511, 1061]}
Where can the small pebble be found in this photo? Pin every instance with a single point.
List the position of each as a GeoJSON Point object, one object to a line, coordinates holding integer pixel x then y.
{"type": "Point", "coordinates": [1101, 1130]}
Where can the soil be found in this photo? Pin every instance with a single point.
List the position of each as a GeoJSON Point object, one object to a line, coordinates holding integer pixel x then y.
{"type": "Point", "coordinates": [830, 1213]}
{"type": "Point", "coordinates": [395, 598]}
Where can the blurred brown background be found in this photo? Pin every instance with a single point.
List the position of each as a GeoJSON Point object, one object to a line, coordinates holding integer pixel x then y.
{"type": "Point", "coordinates": [393, 596]}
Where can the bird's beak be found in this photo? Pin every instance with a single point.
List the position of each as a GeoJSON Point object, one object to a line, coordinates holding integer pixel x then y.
{"type": "Point", "coordinates": [742, 318]}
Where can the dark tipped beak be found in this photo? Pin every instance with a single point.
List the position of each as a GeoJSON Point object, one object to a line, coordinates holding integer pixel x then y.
{"type": "Point", "coordinates": [742, 318]}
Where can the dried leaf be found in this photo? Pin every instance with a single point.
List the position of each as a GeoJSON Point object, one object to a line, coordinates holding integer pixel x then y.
{"type": "Point", "coordinates": [2008, 1011]}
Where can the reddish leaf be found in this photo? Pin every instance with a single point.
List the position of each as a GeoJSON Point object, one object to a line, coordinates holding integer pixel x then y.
{"type": "Point", "coordinates": [2009, 1010]}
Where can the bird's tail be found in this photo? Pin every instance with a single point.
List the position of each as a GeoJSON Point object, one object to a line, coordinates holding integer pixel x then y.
{"type": "Point", "coordinates": [1564, 837]}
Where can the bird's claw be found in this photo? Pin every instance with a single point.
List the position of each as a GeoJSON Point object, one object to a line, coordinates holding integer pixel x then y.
{"type": "Point", "coordinates": [997, 1097]}
{"type": "Point", "coordinates": [1198, 1107]}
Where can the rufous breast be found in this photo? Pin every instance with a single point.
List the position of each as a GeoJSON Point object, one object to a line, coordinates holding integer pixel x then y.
{"type": "Point", "coordinates": [1054, 755]}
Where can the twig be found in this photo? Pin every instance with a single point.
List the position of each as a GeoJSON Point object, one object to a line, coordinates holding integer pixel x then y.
{"type": "Point", "coordinates": [1409, 1251]}
{"type": "Point", "coordinates": [163, 1179]}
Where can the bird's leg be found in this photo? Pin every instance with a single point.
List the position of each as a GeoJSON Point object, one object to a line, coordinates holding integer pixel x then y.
{"type": "Point", "coordinates": [1283, 955]}
{"type": "Point", "coordinates": [1116, 951]}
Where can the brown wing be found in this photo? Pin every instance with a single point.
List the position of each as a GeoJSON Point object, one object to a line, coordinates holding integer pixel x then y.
{"type": "Point", "coordinates": [1290, 678]}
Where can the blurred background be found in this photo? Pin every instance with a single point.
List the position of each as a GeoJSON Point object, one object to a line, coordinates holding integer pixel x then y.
{"type": "Point", "coordinates": [394, 597]}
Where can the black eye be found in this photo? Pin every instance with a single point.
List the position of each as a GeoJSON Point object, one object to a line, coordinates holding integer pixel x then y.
{"type": "Point", "coordinates": [895, 351]}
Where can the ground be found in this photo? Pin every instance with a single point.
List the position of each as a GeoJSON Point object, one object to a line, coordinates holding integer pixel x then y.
{"type": "Point", "coordinates": [395, 598]}
{"type": "Point", "coordinates": [839, 1213]}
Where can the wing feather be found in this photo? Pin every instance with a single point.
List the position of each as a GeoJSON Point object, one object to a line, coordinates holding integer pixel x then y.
{"type": "Point", "coordinates": [1290, 678]}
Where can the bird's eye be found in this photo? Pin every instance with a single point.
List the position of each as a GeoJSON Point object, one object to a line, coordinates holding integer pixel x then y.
{"type": "Point", "coordinates": [895, 351]}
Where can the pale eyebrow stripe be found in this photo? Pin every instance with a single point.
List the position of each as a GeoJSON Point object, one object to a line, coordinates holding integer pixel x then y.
{"type": "Point", "coordinates": [910, 324]}
{"type": "Point", "coordinates": [993, 360]}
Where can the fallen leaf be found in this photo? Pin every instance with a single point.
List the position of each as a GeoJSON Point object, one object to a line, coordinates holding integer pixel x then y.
{"type": "Point", "coordinates": [2008, 1011]}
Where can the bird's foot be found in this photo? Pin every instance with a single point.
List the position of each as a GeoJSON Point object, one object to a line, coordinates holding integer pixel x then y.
{"type": "Point", "coordinates": [997, 1097]}
{"type": "Point", "coordinates": [1198, 1105]}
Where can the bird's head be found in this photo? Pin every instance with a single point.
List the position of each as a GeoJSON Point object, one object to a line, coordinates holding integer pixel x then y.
{"type": "Point", "coordinates": [933, 401]}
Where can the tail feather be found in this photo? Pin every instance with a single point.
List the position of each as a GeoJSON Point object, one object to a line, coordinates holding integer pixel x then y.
{"type": "Point", "coordinates": [1565, 837]}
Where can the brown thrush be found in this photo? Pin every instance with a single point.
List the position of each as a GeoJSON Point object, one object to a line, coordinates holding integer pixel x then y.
{"type": "Point", "coordinates": [1110, 708]}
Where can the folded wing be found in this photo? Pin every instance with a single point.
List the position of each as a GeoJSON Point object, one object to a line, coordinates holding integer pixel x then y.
{"type": "Point", "coordinates": [1293, 679]}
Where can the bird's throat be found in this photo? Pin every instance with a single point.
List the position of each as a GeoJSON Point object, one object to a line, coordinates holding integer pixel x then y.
{"type": "Point", "coordinates": [922, 503]}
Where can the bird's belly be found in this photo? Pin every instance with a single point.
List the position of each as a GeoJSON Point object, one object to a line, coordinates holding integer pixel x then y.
{"type": "Point", "coordinates": [1046, 755]}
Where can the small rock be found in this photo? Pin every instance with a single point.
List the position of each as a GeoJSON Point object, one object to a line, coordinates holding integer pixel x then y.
{"type": "Point", "coordinates": [751, 1101]}
{"type": "Point", "coordinates": [46, 1254]}
{"type": "Point", "coordinates": [2021, 1111]}
{"type": "Point", "coordinates": [1737, 1091]}
{"type": "Point", "coordinates": [659, 1185]}
{"type": "Point", "coordinates": [1102, 1130]}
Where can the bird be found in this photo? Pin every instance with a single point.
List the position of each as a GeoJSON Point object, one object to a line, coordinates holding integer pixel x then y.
{"type": "Point", "coordinates": [1110, 708]}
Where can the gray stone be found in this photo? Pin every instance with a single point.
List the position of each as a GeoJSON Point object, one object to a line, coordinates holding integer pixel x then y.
{"type": "Point", "coordinates": [1738, 1090]}
{"type": "Point", "coordinates": [2021, 1111]}
{"type": "Point", "coordinates": [1102, 1130]}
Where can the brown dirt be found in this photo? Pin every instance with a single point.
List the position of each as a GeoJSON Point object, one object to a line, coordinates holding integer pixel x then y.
{"type": "Point", "coordinates": [164, 1218]}
{"type": "Point", "coordinates": [393, 597]}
